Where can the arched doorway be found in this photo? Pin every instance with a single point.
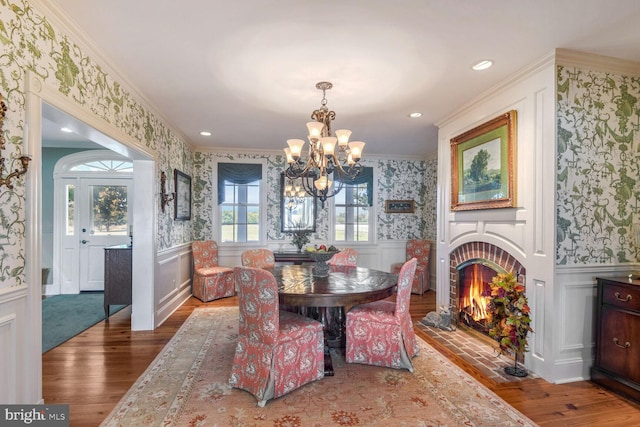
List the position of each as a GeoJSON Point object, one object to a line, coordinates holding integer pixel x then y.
{"type": "Point", "coordinates": [90, 212]}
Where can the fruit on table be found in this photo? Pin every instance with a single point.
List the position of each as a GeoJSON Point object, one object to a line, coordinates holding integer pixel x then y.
{"type": "Point", "coordinates": [332, 248]}
{"type": "Point", "coordinates": [310, 248]}
{"type": "Point", "coordinates": [322, 248]}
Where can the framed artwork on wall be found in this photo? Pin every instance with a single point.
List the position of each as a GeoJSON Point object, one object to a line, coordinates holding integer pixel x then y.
{"type": "Point", "coordinates": [483, 162]}
{"type": "Point", "coordinates": [399, 206]}
{"type": "Point", "coordinates": [183, 195]}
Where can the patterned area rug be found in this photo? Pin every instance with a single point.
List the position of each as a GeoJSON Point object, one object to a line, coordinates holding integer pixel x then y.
{"type": "Point", "coordinates": [186, 385]}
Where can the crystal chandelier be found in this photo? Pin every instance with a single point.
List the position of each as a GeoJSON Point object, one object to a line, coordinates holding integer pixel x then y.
{"type": "Point", "coordinates": [328, 154]}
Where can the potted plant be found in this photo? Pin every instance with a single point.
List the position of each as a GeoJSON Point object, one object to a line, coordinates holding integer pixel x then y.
{"type": "Point", "coordinates": [509, 319]}
{"type": "Point", "coordinates": [300, 236]}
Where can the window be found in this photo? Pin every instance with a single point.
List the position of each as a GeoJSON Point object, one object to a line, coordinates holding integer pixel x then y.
{"type": "Point", "coordinates": [352, 207]}
{"type": "Point", "coordinates": [108, 212]}
{"type": "Point", "coordinates": [104, 166]}
{"type": "Point", "coordinates": [239, 201]}
{"type": "Point", "coordinates": [70, 190]}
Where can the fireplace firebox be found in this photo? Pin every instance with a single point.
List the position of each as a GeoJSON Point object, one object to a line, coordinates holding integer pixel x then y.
{"type": "Point", "coordinates": [474, 293]}
{"type": "Point", "coordinates": [472, 268]}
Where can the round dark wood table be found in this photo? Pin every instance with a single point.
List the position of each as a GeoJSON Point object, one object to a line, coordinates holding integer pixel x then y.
{"type": "Point", "coordinates": [325, 298]}
{"type": "Point", "coordinates": [344, 286]}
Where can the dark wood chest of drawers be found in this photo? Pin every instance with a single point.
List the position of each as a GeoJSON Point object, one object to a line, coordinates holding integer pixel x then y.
{"type": "Point", "coordinates": [617, 363]}
{"type": "Point", "coordinates": [117, 277]}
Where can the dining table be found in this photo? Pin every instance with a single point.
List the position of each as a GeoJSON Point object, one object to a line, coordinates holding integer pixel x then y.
{"type": "Point", "coordinates": [326, 298]}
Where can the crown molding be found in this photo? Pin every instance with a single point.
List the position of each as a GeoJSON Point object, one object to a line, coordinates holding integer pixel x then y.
{"type": "Point", "coordinates": [267, 152]}
{"type": "Point", "coordinates": [504, 85]}
{"type": "Point", "coordinates": [572, 58]}
{"type": "Point", "coordinates": [56, 15]}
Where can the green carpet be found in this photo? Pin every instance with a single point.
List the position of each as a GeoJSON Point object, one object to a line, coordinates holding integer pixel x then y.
{"type": "Point", "coordinates": [65, 316]}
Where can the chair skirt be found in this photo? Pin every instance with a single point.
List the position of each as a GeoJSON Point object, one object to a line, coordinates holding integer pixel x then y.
{"type": "Point", "coordinates": [376, 337]}
{"type": "Point", "coordinates": [269, 371]}
{"type": "Point", "coordinates": [420, 283]}
{"type": "Point", "coordinates": [213, 283]}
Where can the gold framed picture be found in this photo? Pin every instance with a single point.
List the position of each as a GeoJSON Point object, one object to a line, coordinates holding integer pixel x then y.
{"type": "Point", "coordinates": [483, 165]}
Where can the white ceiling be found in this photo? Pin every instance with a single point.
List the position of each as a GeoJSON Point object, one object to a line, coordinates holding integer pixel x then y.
{"type": "Point", "coordinates": [246, 70]}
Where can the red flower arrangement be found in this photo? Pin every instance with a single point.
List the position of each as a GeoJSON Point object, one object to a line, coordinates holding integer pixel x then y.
{"type": "Point", "coordinates": [509, 317]}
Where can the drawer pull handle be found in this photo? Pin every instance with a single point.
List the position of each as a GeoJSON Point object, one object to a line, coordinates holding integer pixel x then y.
{"type": "Point", "coordinates": [627, 299]}
{"type": "Point", "coordinates": [627, 344]}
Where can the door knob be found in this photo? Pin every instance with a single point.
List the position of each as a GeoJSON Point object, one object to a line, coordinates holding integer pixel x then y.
{"type": "Point", "coordinates": [84, 242]}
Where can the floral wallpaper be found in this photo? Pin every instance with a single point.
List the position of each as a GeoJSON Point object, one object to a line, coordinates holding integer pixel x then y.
{"type": "Point", "coordinates": [598, 168]}
{"type": "Point", "coordinates": [29, 42]}
{"type": "Point", "coordinates": [396, 179]}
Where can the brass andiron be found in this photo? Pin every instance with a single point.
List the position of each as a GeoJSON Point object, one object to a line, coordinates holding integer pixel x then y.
{"type": "Point", "coordinates": [164, 197]}
{"type": "Point", "coordinates": [23, 159]}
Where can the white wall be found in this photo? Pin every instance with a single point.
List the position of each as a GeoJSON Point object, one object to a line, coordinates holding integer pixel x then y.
{"type": "Point", "coordinates": [527, 231]}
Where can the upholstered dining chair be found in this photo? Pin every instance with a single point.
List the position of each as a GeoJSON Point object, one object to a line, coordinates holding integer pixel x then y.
{"type": "Point", "coordinates": [258, 258]}
{"type": "Point", "coordinates": [381, 332]}
{"type": "Point", "coordinates": [210, 281]}
{"type": "Point", "coordinates": [420, 250]}
{"type": "Point", "coordinates": [347, 257]}
{"type": "Point", "coordinates": [277, 351]}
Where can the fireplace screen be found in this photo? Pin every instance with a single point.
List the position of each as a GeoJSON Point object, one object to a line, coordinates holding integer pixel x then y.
{"type": "Point", "coordinates": [474, 293]}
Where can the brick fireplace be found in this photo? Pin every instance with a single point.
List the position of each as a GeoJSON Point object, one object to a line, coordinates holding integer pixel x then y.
{"type": "Point", "coordinates": [476, 261]}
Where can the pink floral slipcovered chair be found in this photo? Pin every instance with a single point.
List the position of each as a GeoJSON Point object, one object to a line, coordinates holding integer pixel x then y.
{"type": "Point", "coordinates": [420, 250]}
{"type": "Point", "coordinates": [210, 281]}
{"type": "Point", "coordinates": [277, 351]}
{"type": "Point", "coordinates": [258, 258]}
{"type": "Point", "coordinates": [381, 332]}
{"type": "Point", "coordinates": [347, 258]}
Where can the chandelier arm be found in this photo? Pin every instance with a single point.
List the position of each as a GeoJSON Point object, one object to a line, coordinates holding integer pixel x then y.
{"type": "Point", "coordinates": [296, 170]}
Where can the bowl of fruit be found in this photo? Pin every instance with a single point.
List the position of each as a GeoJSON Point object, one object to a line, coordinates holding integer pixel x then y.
{"type": "Point", "coordinates": [320, 255]}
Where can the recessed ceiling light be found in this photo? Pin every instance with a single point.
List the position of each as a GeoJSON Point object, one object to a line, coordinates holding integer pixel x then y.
{"type": "Point", "coordinates": [205, 133]}
{"type": "Point", "coordinates": [482, 65]}
{"type": "Point", "coordinates": [415, 115]}
{"type": "Point", "coordinates": [67, 130]}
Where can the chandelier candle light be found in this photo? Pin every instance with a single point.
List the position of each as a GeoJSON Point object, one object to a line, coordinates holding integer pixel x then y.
{"type": "Point", "coordinates": [328, 154]}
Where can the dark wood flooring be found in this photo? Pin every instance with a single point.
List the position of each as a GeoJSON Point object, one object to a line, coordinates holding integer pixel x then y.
{"type": "Point", "coordinates": [92, 372]}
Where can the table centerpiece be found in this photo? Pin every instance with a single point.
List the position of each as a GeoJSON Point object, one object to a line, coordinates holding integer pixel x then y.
{"type": "Point", "coordinates": [320, 256]}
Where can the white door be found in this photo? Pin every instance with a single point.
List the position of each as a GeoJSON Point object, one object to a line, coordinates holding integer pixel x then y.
{"type": "Point", "coordinates": [91, 195]}
{"type": "Point", "coordinates": [103, 220]}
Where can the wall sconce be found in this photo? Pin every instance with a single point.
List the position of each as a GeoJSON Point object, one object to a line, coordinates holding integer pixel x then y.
{"type": "Point", "coordinates": [165, 197]}
{"type": "Point", "coordinates": [23, 159]}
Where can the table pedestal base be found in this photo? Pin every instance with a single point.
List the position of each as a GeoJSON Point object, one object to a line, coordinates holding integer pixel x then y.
{"type": "Point", "coordinates": [333, 324]}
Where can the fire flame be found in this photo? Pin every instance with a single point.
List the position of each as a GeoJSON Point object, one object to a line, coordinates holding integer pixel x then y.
{"type": "Point", "coordinates": [474, 302]}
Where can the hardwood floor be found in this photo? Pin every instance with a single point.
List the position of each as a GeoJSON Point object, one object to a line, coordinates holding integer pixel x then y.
{"type": "Point", "coordinates": [92, 372]}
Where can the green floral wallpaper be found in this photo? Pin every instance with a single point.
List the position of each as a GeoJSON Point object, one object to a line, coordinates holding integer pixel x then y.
{"type": "Point", "coordinates": [598, 169]}
{"type": "Point", "coordinates": [396, 179]}
{"type": "Point", "coordinates": [29, 42]}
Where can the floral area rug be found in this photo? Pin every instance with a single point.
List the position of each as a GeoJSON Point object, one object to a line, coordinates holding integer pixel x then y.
{"type": "Point", "coordinates": [187, 385]}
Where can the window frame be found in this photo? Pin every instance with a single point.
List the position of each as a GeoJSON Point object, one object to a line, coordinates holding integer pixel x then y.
{"type": "Point", "coordinates": [372, 217]}
{"type": "Point", "coordinates": [262, 208]}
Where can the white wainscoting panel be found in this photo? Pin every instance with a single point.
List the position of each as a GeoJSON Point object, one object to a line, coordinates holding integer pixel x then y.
{"type": "Point", "coordinates": [173, 280]}
{"type": "Point", "coordinates": [8, 367]}
{"type": "Point", "coordinates": [575, 318]}
{"type": "Point", "coordinates": [16, 371]}
{"type": "Point", "coordinates": [378, 256]}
